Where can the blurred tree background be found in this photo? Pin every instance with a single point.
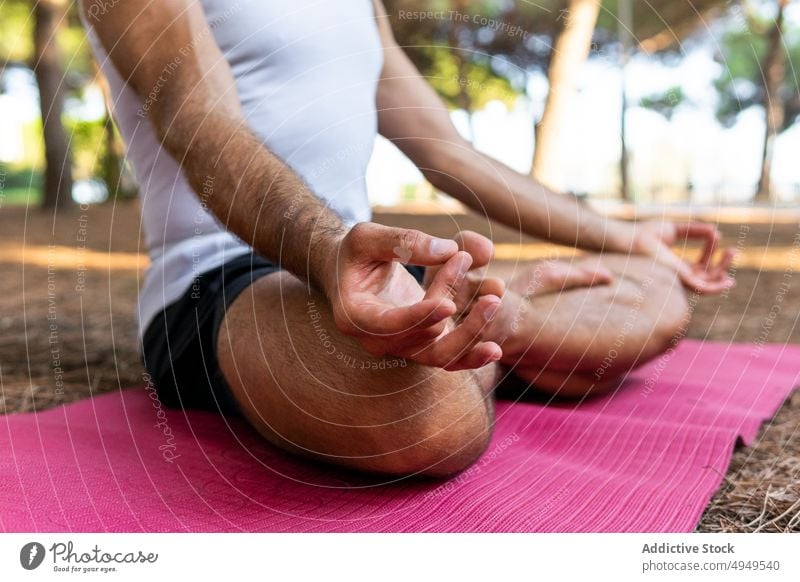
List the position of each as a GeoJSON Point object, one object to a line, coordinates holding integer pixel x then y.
{"type": "Point", "coordinates": [761, 59]}
{"type": "Point", "coordinates": [473, 52]}
{"type": "Point", "coordinates": [72, 150]}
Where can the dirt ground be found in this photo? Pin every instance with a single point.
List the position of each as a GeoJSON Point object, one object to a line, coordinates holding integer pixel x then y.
{"type": "Point", "coordinates": [67, 328]}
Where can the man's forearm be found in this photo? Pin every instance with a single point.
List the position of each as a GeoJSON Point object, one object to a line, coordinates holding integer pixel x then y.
{"type": "Point", "coordinates": [492, 188]}
{"type": "Point", "coordinates": [415, 119]}
{"type": "Point", "coordinates": [257, 196]}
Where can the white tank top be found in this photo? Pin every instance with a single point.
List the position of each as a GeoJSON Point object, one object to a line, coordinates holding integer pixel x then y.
{"type": "Point", "coordinates": [306, 72]}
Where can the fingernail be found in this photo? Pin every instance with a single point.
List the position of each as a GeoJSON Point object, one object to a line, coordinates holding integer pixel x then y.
{"type": "Point", "coordinates": [447, 307]}
{"type": "Point", "coordinates": [440, 246]}
{"type": "Point", "coordinates": [496, 354]}
{"type": "Point", "coordinates": [466, 261]}
{"type": "Point", "coordinates": [490, 311]}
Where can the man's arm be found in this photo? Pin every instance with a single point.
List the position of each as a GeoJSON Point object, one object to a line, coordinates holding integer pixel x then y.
{"type": "Point", "coordinates": [198, 118]}
{"type": "Point", "coordinates": [415, 119]}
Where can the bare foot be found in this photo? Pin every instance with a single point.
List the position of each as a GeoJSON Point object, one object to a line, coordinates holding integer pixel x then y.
{"type": "Point", "coordinates": [551, 276]}
{"type": "Point", "coordinates": [510, 327]}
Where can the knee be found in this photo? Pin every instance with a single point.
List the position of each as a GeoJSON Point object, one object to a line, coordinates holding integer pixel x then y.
{"type": "Point", "coordinates": [669, 320]}
{"type": "Point", "coordinates": [439, 438]}
{"type": "Point", "coordinates": [438, 453]}
{"type": "Point", "coordinates": [673, 321]}
{"type": "Point", "coordinates": [647, 324]}
{"type": "Point", "coordinates": [399, 420]}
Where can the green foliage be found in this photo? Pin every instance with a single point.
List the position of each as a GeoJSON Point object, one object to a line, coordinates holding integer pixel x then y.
{"type": "Point", "coordinates": [21, 177]}
{"type": "Point", "coordinates": [742, 47]}
{"type": "Point", "coordinates": [665, 103]}
{"type": "Point", "coordinates": [22, 196]}
{"type": "Point", "coordinates": [32, 150]}
{"type": "Point", "coordinates": [16, 37]}
{"type": "Point", "coordinates": [16, 31]}
{"type": "Point", "coordinates": [88, 146]}
{"type": "Point", "coordinates": [474, 52]}
{"type": "Point", "coordinates": [675, 20]}
{"type": "Point", "coordinates": [87, 139]}
{"type": "Point", "coordinates": [470, 53]}
{"type": "Point", "coordinates": [470, 84]}
{"type": "Point", "coordinates": [77, 55]}
{"type": "Point", "coordinates": [19, 185]}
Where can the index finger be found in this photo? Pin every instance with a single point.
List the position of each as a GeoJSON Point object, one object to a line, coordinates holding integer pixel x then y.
{"type": "Point", "coordinates": [701, 230]}
{"type": "Point", "coordinates": [705, 283]}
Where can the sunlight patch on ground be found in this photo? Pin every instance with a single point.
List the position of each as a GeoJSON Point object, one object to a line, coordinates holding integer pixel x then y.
{"type": "Point", "coordinates": [63, 257]}
{"type": "Point", "coordinates": [772, 258]}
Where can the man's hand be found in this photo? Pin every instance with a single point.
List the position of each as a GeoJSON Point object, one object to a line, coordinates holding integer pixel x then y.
{"type": "Point", "coordinates": [656, 238]}
{"type": "Point", "coordinates": [376, 300]}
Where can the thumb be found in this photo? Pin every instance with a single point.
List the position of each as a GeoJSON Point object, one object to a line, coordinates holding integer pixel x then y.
{"type": "Point", "coordinates": [408, 246]}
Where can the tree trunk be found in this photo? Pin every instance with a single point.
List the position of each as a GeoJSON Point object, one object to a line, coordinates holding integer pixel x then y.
{"type": "Point", "coordinates": [463, 99]}
{"type": "Point", "coordinates": [624, 156]}
{"type": "Point", "coordinates": [50, 79]}
{"type": "Point", "coordinates": [774, 71]}
{"type": "Point", "coordinates": [570, 51]}
{"type": "Point", "coordinates": [625, 32]}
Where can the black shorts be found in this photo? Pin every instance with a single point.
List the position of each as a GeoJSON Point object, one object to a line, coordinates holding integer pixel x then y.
{"type": "Point", "coordinates": [179, 347]}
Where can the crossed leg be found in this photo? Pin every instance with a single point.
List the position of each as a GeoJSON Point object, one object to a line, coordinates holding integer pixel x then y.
{"type": "Point", "coordinates": [311, 390]}
{"type": "Point", "coordinates": [585, 339]}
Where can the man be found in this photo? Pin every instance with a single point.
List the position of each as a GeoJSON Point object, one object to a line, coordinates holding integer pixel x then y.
{"type": "Point", "coordinates": [270, 292]}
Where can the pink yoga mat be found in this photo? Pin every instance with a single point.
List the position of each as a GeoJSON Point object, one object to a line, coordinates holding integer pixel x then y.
{"type": "Point", "coordinates": [645, 459]}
